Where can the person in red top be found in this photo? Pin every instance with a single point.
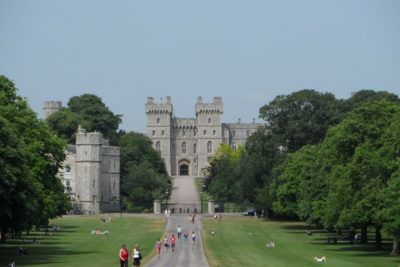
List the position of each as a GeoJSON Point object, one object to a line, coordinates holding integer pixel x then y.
{"type": "Point", "coordinates": [123, 256]}
{"type": "Point", "coordinates": [173, 242]}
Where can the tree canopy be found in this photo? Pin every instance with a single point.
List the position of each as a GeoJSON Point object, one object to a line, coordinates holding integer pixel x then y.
{"type": "Point", "coordinates": [89, 111]}
{"type": "Point", "coordinates": [30, 156]}
{"type": "Point", "coordinates": [143, 174]}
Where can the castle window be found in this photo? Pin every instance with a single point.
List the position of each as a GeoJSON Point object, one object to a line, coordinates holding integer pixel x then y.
{"type": "Point", "coordinates": [205, 132]}
{"type": "Point", "coordinates": [209, 120]}
{"type": "Point", "coordinates": [114, 185]}
{"type": "Point", "coordinates": [194, 148]}
{"type": "Point", "coordinates": [67, 168]}
{"type": "Point", "coordinates": [183, 132]}
{"type": "Point", "coordinates": [233, 133]}
{"type": "Point", "coordinates": [184, 148]}
{"type": "Point", "coordinates": [209, 147]}
{"type": "Point", "coordinates": [94, 182]}
{"type": "Point", "coordinates": [234, 146]}
{"type": "Point", "coordinates": [154, 132]}
{"type": "Point", "coordinates": [158, 145]}
{"type": "Point", "coordinates": [248, 133]}
{"type": "Point", "coordinates": [214, 132]}
{"type": "Point", "coordinates": [162, 132]}
{"type": "Point", "coordinates": [158, 120]}
{"type": "Point", "coordinates": [195, 132]}
{"type": "Point", "coordinates": [67, 183]}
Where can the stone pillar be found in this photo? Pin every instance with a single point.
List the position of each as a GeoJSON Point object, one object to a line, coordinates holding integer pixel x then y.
{"type": "Point", "coordinates": [157, 207]}
{"type": "Point", "coordinates": [211, 207]}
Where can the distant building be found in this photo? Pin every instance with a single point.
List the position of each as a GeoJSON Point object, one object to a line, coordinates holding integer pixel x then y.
{"type": "Point", "coordinates": [91, 172]}
{"type": "Point", "coordinates": [187, 144]}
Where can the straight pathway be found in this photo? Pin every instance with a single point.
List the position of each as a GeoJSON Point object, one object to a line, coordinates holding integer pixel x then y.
{"type": "Point", "coordinates": [186, 254]}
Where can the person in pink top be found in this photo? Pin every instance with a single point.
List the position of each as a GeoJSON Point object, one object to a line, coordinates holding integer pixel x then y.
{"type": "Point", "coordinates": [123, 256]}
{"type": "Point", "coordinates": [186, 235]}
{"type": "Point", "coordinates": [173, 242]}
{"type": "Point", "coordinates": [158, 247]}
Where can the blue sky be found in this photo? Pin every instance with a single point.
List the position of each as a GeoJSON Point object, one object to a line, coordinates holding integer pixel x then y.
{"type": "Point", "coordinates": [247, 52]}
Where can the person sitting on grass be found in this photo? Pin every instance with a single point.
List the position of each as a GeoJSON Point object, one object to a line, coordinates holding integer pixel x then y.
{"type": "Point", "coordinates": [22, 251]}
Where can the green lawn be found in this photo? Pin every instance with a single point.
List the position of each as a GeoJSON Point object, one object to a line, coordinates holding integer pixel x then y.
{"type": "Point", "coordinates": [240, 241]}
{"type": "Point", "coordinates": [75, 246]}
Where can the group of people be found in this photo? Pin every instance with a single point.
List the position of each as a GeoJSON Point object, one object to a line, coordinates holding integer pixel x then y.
{"type": "Point", "coordinates": [135, 255]}
{"type": "Point", "coordinates": [97, 231]}
{"type": "Point", "coordinates": [171, 241]}
{"type": "Point", "coordinates": [192, 217]}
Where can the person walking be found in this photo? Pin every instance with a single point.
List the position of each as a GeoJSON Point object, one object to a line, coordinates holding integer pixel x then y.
{"type": "Point", "coordinates": [123, 256]}
{"type": "Point", "coordinates": [136, 255]}
{"type": "Point", "coordinates": [179, 231]}
{"type": "Point", "coordinates": [186, 235]}
{"type": "Point", "coordinates": [193, 237]}
{"type": "Point", "coordinates": [173, 242]}
{"type": "Point", "coordinates": [158, 247]}
{"type": "Point", "coordinates": [166, 244]}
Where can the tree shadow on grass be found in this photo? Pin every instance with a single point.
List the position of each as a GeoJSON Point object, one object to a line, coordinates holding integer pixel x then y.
{"type": "Point", "coordinates": [37, 254]}
{"type": "Point", "coordinates": [299, 228]}
{"type": "Point", "coordinates": [41, 248]}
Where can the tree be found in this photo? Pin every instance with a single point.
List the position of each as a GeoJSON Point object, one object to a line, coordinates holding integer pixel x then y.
{"type": "Point", "coordinates": [301, 118]}
{"type": "Point", "coordinates": [64, 123]}
{"type": "Point", "coordinates": [223, 183]}
{"type": "Point", "coordinates": [361, 97]}
{"type": "Point", "coordinates": [295, 186]}
{"type": "Point", "coordinates": [94, 115]}
{"type": "Point", "coordinates": [356, 169]}
{"type": "Point", "coordinates": [30, 156]}
{"type": "Point", "coordinates": [143, 174]}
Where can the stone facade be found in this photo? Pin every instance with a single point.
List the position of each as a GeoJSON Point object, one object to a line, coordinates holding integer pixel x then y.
{"type": "Point", "coordinates": [50, 107]}
{"type": "Point", "coordinates": [91, 171]}
{"type": "Point", "coordinates": [91, 174]}
{"type": "Point", "coordinates": [187, 144]}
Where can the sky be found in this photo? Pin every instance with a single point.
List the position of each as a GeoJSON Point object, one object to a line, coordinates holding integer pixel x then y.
{"type": "Point", "coordinates": [247, 52]}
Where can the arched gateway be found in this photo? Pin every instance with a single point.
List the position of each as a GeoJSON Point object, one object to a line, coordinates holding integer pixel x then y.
{"type": "Point", "coordinates": [183, 167]}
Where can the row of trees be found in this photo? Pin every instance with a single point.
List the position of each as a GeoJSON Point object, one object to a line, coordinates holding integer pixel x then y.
{"type": "Point", "coordinates": [143, 173]}
{"type": "Point", "coordinates": [330, 162]}
{"type": "Point", "coordinates": [30, 156]}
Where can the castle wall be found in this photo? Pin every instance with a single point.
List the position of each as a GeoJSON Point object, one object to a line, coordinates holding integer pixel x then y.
{"type": "Point", "coordinates": [51, 107]}
{"type": "Point", "coordinates": [91, 174]}
{"type": "Point", "coordinates": [110, 171]}
{"type": "Point", "coordinates": [206, 128]}
{"type": "Point", "coordinates": [159, 116]}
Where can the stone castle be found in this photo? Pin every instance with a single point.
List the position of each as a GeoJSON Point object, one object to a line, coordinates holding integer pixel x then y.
{"type": "Point", "coordinates": [187, 144]}
{"type": "Point", "coordinates": [91, 171]}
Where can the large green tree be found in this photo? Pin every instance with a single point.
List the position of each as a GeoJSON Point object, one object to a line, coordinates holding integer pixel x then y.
{"type": "Point", "coordinates": [30, 156]}
{"type": "Point", "coordinates": [143, 174]}
{"type": "Point", "coordinates": [65, 124]}
{"type": "Point", "coordinates": [89, 111]}
{"type": "Point", "coordinates": [301, 118]}
{"type": "Point", "coordinates": [223, 182]}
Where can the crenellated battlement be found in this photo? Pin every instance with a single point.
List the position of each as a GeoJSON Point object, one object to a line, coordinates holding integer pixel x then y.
{"type": "Point", "coordinates": [84, 138]}
{"type": "Point", "coordinates": [160, 107]}
{"type": "Point", "coordinates": [215, 107]}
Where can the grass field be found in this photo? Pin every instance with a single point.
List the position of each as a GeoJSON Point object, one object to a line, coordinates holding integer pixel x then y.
{"type": "Point", "coordinates": [75, 246]}
{"type": "Point", "coordinates": [240, 241]}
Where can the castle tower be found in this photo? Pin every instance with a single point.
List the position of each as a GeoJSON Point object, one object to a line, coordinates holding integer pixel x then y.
{"type": "Point", "coordinates": [88, 170]}
{"type": "Point", "coordinates": [209, 121]}
{"type": "Point", "coordinates": [51, 107]}
{"type": "Point", "coordinates": [159, 120]}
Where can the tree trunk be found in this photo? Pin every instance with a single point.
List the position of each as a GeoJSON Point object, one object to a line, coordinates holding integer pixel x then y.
{"type": "Point", "coordinates": [395, 247]}
{"type": "Point", "coordinates": [364, 235]}
{"type": "Point", "coordinates": [378, 237]}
